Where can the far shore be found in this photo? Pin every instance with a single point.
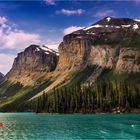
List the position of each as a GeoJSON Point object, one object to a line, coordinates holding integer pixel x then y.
{"type": "Point", "coordinates": [135, 111]}
{"type": "Point", "coordinates": [113, 111]}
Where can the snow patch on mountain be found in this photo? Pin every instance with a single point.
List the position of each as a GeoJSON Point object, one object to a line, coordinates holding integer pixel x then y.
{"type": "Point", "coordinates": [91, 33]}
{"type": "Point", "coordinates": [135, 26]}
{"type": "Point", "coordinates": [138, 20]}
{"type": "Point", "coordinates": [126, 26]}
{"type": "Point", "coordinates": [46, 50]}
{"type": "Point", "coordinates": [108, 19]}
{"type": "Point", "coordinates": [93, 26]}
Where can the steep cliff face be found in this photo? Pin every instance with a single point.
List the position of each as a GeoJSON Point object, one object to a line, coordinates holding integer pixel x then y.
{"type": "Point", "coordinates": [30, 63]}
{"type": "Point", "coordinates": [73, 54]}
{"type": "Point", "coordinates": [110, 43]}
{"type": "Point", "coordinates": [129, 60]}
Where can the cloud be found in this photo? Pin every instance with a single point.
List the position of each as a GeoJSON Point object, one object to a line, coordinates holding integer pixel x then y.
{"type": "Point", "coordinates": [2, 20]}
{"type": "Point", "coordinates": [71, 12]}
{"type": "Point", "coordinates": [13, 38]}
{"type": "Point", "coordinates": [53, 46]}
{"type": "Point", "coordinates": [19, 40]}
{"type": "Point", "coordinates": [71, 29]}
{"type": "Point", "coordinates": [103, 13]}
{"type": "Point", "coordinates": [6, 62]}
{"type": "Point", "coordinates": [49, 2]}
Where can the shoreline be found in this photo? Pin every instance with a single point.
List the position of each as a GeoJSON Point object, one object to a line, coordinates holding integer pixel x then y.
{"type": "Point", "coordinates": [103, 113]}
{"type": "Point", "coordinates": [113, 111]}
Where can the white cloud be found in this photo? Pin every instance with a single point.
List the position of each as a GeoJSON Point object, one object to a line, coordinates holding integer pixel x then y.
{"type": "Point", "coordinates": [6, 62]}
{"type": "Point", "coordinates": [103, 13]}
{"type": "Point", "coordinates": [2, 20]}
{"type": "Point", "coordinates": [49, 2]}
{"type": "Point", "coordinates": [71, 12]}
{"type": "Point", "coordinates": [72, 29]}
{"type": "Point", "coordinates": [13, 38]}
{"type": "Point", "coordinates": [19, 40]}
{"type": "Point", "coordinates": [53, 46]}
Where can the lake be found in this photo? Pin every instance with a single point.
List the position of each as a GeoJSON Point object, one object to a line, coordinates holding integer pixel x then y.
{"type": "Point", "coordinates": [30, 126]}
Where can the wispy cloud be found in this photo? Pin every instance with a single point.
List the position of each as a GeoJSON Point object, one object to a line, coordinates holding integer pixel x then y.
{"type": "Point", "coordinates": [6, 62]}
{"type": "Point", "coordinates": [105, 12]}
{"type": "Point", "coordinates": [71, 12]}
{"type": "Point", "coordinates": [14, 38]}
{"type": "Point", "coordinates": [2, 20]}
{"type": "Point", "coordinates": [53, 45]}
{"type": "Point", "coordinates": [49, 2]}
{"type": "Point", "coordinates": [71, 29]}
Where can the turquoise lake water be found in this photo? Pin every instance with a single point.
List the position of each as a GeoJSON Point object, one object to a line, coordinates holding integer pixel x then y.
{"type": "Point", "coordinates": [30, 126]}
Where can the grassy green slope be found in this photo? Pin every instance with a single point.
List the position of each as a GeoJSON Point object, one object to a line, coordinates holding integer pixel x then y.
{"type": "Point", "coordinates": [18, 96]}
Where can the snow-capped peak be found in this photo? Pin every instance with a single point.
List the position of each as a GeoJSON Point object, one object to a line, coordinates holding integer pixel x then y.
{"type": "Point", "coordinates": [47, 50]}
{"type": "Point", "coordinates": [108, 19]}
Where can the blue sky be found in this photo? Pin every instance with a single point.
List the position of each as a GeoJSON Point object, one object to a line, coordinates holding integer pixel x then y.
{"type": "Point", "coordinates": [46, 22]}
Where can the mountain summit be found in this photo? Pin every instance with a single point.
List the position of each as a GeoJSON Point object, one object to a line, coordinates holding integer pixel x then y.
{"type": "Point", "coordinates": [109, 24]}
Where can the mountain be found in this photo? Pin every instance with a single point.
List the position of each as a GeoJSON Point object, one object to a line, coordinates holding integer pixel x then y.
{"type": "Point", "coordinates": [110, 42]}
{"type": "Point", "coordinates": [30, 73]}
{"type": "Point", "coordinates": [1, 77]}
{"type": "Point", "coordinates": [30, 63]}
{"type": "Point", "coordinates": [108, 50]}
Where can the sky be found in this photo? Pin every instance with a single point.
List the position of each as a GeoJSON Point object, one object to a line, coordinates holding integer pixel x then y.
{"type": "Point", "coordinates": [23, 23]}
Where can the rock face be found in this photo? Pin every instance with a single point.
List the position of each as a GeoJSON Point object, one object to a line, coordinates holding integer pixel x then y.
{"type": "Point", "coordinates": [109, 43]}
{"type": "Point", "coordinates": [1, 77]}
{"type": "Point", "coordinates": [34, 59]}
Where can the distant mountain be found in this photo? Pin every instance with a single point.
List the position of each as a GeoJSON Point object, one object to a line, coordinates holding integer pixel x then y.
{"type": "Point", "coordinates": [108, 50]}
{"type": "Point", "coordinates": [1, 77]}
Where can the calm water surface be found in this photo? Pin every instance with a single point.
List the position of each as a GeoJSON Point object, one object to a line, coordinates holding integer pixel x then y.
{"type": "Point", "coordinates": [30, 126]}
